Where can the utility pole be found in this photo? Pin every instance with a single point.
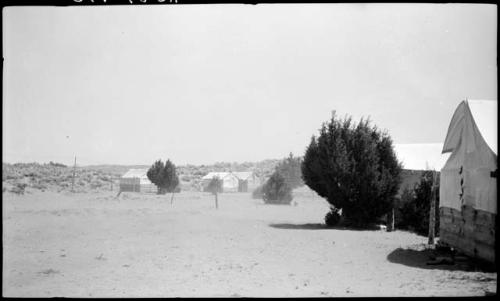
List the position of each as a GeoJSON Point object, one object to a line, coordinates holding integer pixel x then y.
{"type": "Point", "coordinates": [73, 181]}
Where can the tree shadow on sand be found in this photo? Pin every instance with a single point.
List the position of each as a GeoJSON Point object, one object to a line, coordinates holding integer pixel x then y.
{"type": "Point", "coordinates": [421, 258]}
{"type": "Point", "coordinates": [318, 226]}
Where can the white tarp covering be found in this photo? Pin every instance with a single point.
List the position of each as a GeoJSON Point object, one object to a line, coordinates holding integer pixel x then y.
{"type": "Point", "coordinates": [471, 140]}
{"type": "Point", "coordinates": [243, 175]}
{"type": "Point", "coordinates": [229, 181]}
{"type": "Point", "coordinates": [423, 156]}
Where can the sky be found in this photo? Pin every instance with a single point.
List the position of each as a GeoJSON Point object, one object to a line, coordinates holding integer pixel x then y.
{"type": "Point", "coordinates": [200, 84]}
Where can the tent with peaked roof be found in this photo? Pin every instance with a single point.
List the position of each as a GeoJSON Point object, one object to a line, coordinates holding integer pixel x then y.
{"type": "Point", "coordinates": [136, 180]}
{"type": "Point", "coordinates": [230, 182]}
{"type": "Point", "coordinates": [248, 181]}
{"type": "Point", "coordinates": [233, 181]}
{"type": "Point", "coordinates": [468, 191]}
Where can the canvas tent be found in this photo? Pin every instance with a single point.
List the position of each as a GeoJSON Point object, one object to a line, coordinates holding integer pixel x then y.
{"type": "Point", "coordinates": [230, 182]}
{"type": "Point", "coordinates": [136, 180]}
{"type": "Point", "coordinates": [468, 192]}
{"type": "Point", "coordinates": [248, 181]}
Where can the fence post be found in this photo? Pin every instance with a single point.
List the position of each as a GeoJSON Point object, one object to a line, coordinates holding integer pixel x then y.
{"type": "Point", "coordinates": [73, 181]}
{"type": "Point", "coordinates": [432, 213]}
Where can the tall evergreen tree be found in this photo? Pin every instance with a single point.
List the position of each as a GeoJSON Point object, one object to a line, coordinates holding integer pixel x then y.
{"type": "Point", "coordinates": [215, 186]}
{"type": "Point", "coordinates": [154, 174]}
{"type": "Point", "coordinates": [290, 169]}
{"type": "Point", "coordinates": [276, 190]}
{"type": "Point", "coordinates": [169, 177]}
{"type": "Point", "coordinates": [164, 176]}
{"type": "Point", "coordinates": [355, 168]}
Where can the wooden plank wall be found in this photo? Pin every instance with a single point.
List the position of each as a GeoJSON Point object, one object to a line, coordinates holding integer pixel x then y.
{"type": "Point", "coordinates": [130, 184]}
{"type": "Point", "coordinates": [470, 230]}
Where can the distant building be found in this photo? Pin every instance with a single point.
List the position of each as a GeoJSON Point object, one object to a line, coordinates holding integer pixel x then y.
{"type": "Point", "coordinates": [136, 180]}
{"type": "Point", "coordinates": [248, 181]}
{"type": "Point", "coordinates": [233, 181]}
{"type": "Point", "coordinates": [230, 182]}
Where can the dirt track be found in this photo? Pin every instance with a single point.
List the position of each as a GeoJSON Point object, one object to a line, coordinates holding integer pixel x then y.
{"type": "Point", "coordinates": [93, 245]}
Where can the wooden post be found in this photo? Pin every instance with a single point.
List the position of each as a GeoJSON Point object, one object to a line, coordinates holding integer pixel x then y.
{"type": "Point", "coordinates": [432, 213]}
{"type": "Point", "coordinates": [216, 201]}
{"type": "Point", "coordinates": [73, 181]}
{"type": "Point", "coordinates": [172, 198]}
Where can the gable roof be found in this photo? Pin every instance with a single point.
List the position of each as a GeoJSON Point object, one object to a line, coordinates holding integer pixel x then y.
{"type": "Point", "coordinates": [421, 156]}
{"type": "Point", "coordinates": [221, 175]}
{"type": "Point", "coordinates": [136, 173]}
{"type": "Point", "coordinates": [471, 119]}
{"type": "Point", "coordinates": [243, 175]}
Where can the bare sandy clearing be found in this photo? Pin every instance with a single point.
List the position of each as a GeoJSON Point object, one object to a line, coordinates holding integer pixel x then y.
{"type": "Point", "coordinates": [141, 246]}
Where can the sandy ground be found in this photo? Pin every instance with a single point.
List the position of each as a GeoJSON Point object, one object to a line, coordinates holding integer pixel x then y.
{"type": "Point", "coordinates": [94, 245]}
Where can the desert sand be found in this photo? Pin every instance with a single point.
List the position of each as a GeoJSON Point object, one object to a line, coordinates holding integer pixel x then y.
{"type": "Point", "coordinates": [140, 245]}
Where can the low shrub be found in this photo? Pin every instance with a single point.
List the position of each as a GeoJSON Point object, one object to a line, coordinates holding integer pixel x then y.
{"type": "Point", "coordinates": [104, 178]}
{"type": "Point", "coordinates": [39, 186]}
{"type": "Point", "coordinates": [186, 178]}
{"type": "Point", "coordinates": [413, 209]}
{"type": "Point", "coordinates": [56, 164]}
{"type": "Point", "coordinates": [19, 188]}
{"type": "Point", "coordinates": [333, 217]}
{"type": "Point", "coordinates": [95, 184]}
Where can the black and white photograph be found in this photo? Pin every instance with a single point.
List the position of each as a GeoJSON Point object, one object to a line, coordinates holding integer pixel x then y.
{"type": "Point", "coordinates": [160, 149]}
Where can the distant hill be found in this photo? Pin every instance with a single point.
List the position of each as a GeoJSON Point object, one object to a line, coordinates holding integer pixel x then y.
{"type": "Point", "coordinates": [19, 177]}
{"type": "Point", "coordinates": [261, 168]}
{"type": "Point", "coordinates": [59, 177]}
{"type": "Point", "coordinates": [114, 169]}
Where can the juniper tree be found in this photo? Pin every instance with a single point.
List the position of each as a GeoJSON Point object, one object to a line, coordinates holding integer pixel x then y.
{"type": "Point", "coordinates": [355, 168]}
{"type": "Point", "coordinates": [215, 186]}
{"type": "Point", "coordinates": [289, 168]}
{"type": "Point", "coordinates": [276, 190]}
{"type": "Point", "coordinates": [169, 178]}
{"type": "Point", "coordinates": [164, 176]}
{"type": "Point", "coordinates": [153, 175]}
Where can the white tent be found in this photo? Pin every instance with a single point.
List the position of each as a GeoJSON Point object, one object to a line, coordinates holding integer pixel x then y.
{"type": "Point", "coordinates": [248, 180]}
{"type": "Point", "coordinates": [230, 182]}
{"type": "Point", "coordinates": [136, 180]}
{"type": "Point", "coordinates": [472, 142]}
{"type": "Point", "coordinates": [468, 192]}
